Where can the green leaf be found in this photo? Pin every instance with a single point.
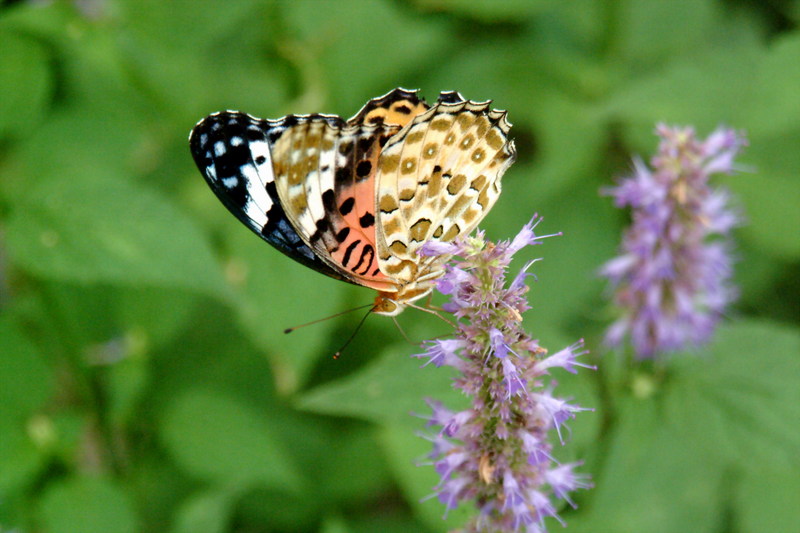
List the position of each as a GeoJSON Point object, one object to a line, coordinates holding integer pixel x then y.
{"type": "Point", "coordinates": [348, 465]}
{"type": "Point", "coordinates": [649, 32]}
{"type": "Point", "coordinates": [745, 86]}
{"type": "Point", "coordinates": [206, 512]}
{"type": "Point", "coordinates": [20, 458]}
{"type": "Point", "coordinates": [704, 92]}
{"type": "Point", "coordinates": [673, 486]}
{"type": "Point", "coordinates": [713, 415]}
{"type": "Point", "coordinates": [157, 313]}
{"type": "Point", "coordinates": [774, 107]}
{"type": "Point", "coordinates": [766, 499]}
{"type": "Point", "coordinates": [26, 84]}
{"type": "Point", "coordinates": [224, 55]}
{"type": "Point", "coordinates": [88, 505]}
{"type": "Point", "coordinates": [327, 39]}
{"type": "Point", "coordinates": [109, 230]}
{"type": "Point", "coordinates": [508, 10]}
{"type": "Point", "coordinates": [566, 285]}
{"type": "Point", "coordinates": [180, 24]}
{"type": "Point", "coordinates": [407, 455]}
{"type": "Point", "coordinates": [275, 293]}
{"type": "Point", "coordinates": [334, 524]}
{"type": "Point", "coordinates": [769, 195]}
{"type": "Point", "coordinates": [26, 381]}
{"type": "Point", "coordinates": [388, 390]}
{"type": "Point", "coordinates": [127, 383]}
{"type": "Point", "coordinates": [740, 402]}
{"type": "Point", "coordinates": [217, 438]}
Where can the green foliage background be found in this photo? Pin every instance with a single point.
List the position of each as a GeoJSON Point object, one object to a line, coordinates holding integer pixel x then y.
{"type": "Point", "coordinates": [145, 384]}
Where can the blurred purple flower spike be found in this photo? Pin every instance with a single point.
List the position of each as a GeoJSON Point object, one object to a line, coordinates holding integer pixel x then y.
{"type": "Point", "coordinates": [672, 279]}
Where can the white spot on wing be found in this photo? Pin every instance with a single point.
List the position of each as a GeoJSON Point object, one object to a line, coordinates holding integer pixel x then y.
{"type": "Point", "coordinates": [236, 141]}
{"type": "Point", "coordinates": [260, 149]}
{"type": "Point", "coordinates": [255, 213]}
{"type": "Point", "coordinates": [219, 148]}
{"type": "Point", "coordinates": [231, 182]}
{"type": "Point", "coordinates": [256, 188]}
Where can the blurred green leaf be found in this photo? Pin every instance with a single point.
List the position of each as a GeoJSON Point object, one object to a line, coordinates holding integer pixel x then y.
{"type": "Point", "coordinates": [705, 91]}
{"type": "Point", "coordinates": [65, 433]}
{"type": "Point", "coordinates": [388, 390]}
{"type": "Point", "coordinates": [738, 403]}
{"type": "Point", "coordinates": [20, 458]}
{"type": "Point", "coordinates": [183, 23]}
{"type": "Point", "coordinates": [769, 195]}
{"type": "Point", "coordinates": [566, 285]}
{"type": "Point", "coordinates": [511, 10]}
{"type": "Point", "coordinates": [223, 55]}
{"type": "Point", "coordinates": [562, 127]}
{"type": "Point", "coordinates": [351, 467]}
{"type": "Point", "coordinates": [407, 454]}
{"type": "Point", "coordinates": [652, 479]}
{"type": "Point", "coordinates": [275, 293]}
{"type": "Point", "coordinates": [126, 383]}
{"type": "Point", "coordinates": [65, 149]}
{"type": "Point", "coordinates": [26, 84]}
{"type": "Point", "coordinates": [109, 230]}
{"type": "Point", "coordinates": [324, 43]}
{"type": "Point", "coordinates": [649, 32]}
{"type": "Point", "coordinates": [154, 315]}
{"type": "Point", "coordinates": [26, 381]}
{"type": "Point", "coordinates": [200, 425]}
{"type": "Point", "coordinates": [773, 107]}
{"type": "Point", "coordinates": [40, 20]}
{"type": "Point", "coordinates": [207, 512]}
{"type": "Point", "coordinates": [766, 499]}
{"type": "Point", "coordinates": [334, 524]}
{"type": "Point", "coordinates": [709, 89]}
{"type": "Point", "coordinates": [88, 505]}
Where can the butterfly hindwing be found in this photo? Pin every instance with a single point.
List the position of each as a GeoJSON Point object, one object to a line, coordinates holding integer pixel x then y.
{"type": "Point", "coordinates": [232, 150]}
{"type": "Point", "coordinates": [437, 179]}
{"type": "Point", "coordinates": [324, 172]}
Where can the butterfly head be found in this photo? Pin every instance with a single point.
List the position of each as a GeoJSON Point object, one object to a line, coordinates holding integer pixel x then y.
{"type": "Point", "coordinates": [386, 304]}
{"type": "Point", "coordinates": [394, 303]}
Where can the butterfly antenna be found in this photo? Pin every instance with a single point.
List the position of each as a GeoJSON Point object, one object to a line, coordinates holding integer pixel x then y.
{"type": "Point", "coordinates": [353, 335]}
{"type": "Point", "coordinates": [289, 330]}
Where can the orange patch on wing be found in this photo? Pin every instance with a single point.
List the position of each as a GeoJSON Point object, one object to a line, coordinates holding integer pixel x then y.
{"type": "Point", "coordinates": [357, 252]}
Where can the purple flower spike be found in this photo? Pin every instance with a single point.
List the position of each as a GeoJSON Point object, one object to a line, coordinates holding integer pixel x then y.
{"type": "Point", "coordinates": [497, 453]}
{"type": "Point", "coordinates": [672, 279]}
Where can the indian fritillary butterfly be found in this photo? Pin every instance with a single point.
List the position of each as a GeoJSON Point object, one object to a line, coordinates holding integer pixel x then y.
{"type": "Point", "coordinates": [357, 199]}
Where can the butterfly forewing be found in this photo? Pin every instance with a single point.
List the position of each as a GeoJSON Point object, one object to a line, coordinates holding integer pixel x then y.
{"type": "Point", "coordinates": [232, 150]}
{"type": "Point", "coordinates": [437, 179]}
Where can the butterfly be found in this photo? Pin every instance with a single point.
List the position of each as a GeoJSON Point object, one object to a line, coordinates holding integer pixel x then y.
{"type": "Point", "coordinates": [357, 199]}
